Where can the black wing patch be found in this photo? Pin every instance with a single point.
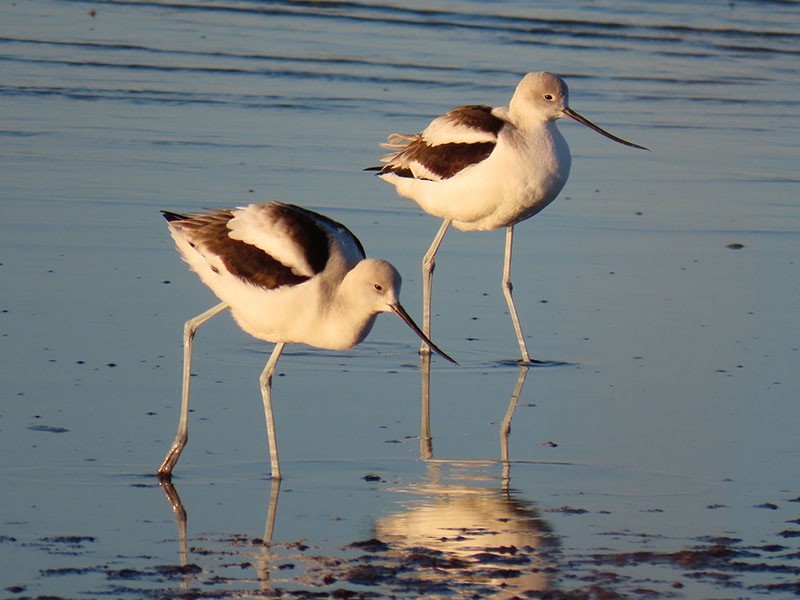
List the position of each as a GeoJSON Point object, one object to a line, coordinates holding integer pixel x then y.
{"type": "Point", "coordinates": [251, 264]}
{"type": "Point", "coordinates": [477, 116]}
{"type": "Point", "coordinates": [311, 228]}
{"type": "Point", "coordinates": [445, 159]}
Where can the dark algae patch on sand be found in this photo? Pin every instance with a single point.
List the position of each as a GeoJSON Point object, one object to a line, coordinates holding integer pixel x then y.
{"type": "Point", "coordinates": [237, 565]}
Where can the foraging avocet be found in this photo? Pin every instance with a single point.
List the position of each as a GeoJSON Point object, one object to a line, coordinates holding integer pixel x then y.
{"type": "Point", "coordinates": [288, 275]}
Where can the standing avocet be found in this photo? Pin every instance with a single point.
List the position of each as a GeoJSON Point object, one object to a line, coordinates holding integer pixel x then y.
{"type": "Point", "coordinates": [288, 275]}
{"type": "Point", "coordinates": [481, 168]}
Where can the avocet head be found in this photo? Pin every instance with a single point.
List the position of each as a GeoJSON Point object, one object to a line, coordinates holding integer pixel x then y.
{"type": "Point", "coordinates": [545, 96]}
{"type": "Point", "coordinates": [378, 283]}
{"type": "Point", "coordinates": [542, 96]}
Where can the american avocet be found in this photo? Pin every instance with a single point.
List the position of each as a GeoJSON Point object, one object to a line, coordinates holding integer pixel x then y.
{"type": "Point", "coordinates": [288, 275]}
{"type": "Point", "coordinates": [481, 168]}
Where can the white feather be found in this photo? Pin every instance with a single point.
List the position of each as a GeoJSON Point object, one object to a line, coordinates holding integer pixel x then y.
{"type": "Point", "coordinates": [265, 228]}
{"type": "Point", "coordinates": [448, 129]}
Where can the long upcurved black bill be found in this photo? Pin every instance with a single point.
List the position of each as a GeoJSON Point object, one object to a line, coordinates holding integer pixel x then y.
{"type": "Point", "coordinates": [401, 312]}
{"type": "Point", "coordinates": [572, 114]}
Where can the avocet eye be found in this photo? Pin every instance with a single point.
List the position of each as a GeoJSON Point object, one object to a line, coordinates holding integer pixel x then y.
{"type": "Point", "coordinates": [378, 287]}
{"type": "Point", "coordinates": [548, 97]}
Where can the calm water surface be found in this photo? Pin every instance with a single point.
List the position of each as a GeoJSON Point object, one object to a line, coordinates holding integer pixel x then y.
{"type": "Point", "coordinates": [656, 455]}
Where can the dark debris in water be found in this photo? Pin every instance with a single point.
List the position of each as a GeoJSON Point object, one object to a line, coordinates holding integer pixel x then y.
{"type": "Point", "coordinates": [59, 572]}
{"type": "Point", "coordinates": [371, 545]}
{"type": "Point", "coordinates": [569, 510]}
{"type": "Point", "coordinates": [48, 429]}
{"type": "Point", "coordinates": [460, 566]}
{"type": "Point", "coordinates": [69, 539]}
{"type": "Point", "coordinates": [369, 574]}
{"type": "Point", "coordinates": [790, 533]}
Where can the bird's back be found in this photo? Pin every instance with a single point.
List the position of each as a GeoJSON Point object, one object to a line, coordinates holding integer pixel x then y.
{"type": "Point", "coordinates": [275, 265]}
{"type": "Point", "coordinates": [477, 168]}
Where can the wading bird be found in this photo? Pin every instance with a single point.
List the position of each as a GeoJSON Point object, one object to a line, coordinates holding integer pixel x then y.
{"type": "Point", "coordinates": [288, 275]}
{"type": "Point", "coordinates": [482, 168]}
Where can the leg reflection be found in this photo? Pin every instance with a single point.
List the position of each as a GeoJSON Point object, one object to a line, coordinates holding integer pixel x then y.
{"type": "Point", "coordinates": [458, 534]}
{"type": "Point", "coordinates": [180, 520]}
{"type": "Point", "coordinates": [505, 426]}
{"type": "Point", "coordinates": [262, 558]}
{"type": "Point", "coordinates": [425, 435]}
{"type": "Point", "coordinates": [477, 537]}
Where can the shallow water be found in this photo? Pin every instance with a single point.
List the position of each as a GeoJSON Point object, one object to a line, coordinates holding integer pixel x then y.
{"type": "Point", "coordinates": [657, 453]}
